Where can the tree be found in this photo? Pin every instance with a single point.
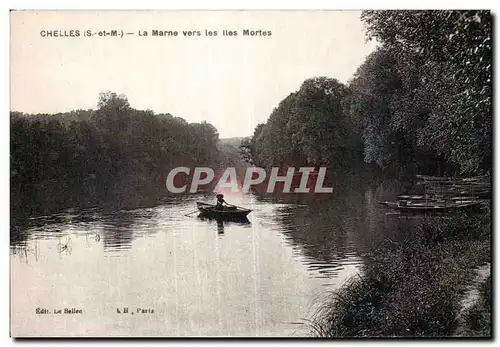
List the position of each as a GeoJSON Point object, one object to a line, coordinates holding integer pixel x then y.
{"type": "Point", "coordinates": [457, 45]}
{"type": "Point", "coordinates": [308, 127]}
{"type": "Point", "coordinates": [113, 111]}
{"type": "Point", "coordinates": [113, 154]}
{"type": "Point", "coordinates": [319, 124]}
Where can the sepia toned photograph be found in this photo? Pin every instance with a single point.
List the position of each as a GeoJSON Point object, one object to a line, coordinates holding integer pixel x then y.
{"type": "Point", "coordinates": [320, 174]}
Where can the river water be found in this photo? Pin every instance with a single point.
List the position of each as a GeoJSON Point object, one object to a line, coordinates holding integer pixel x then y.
{"type": "Point", "coordinates": [188, 276]}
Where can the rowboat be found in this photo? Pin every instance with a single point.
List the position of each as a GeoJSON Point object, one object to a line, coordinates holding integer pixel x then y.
{"type": "Point", "coordinates": [428, 207]}
{"type": "Point", "coordinates": [428, 178]}
{"type": "Point", "coordinates": [416, 198]}
{"type": "Point", "coordinates": [228, 212]}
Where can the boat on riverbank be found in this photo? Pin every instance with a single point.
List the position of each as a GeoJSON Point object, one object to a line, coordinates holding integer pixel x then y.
{"type": "Point", "coordinates": [228, 212]}
{"type": "Point", "coordinates": [441, 194]}
{"type": "Point", "coordinates": [427, 178]}
{"type": "Point", "coordinates": [447, 187]}
{"type": "Point", "coordinates": [411, 206]}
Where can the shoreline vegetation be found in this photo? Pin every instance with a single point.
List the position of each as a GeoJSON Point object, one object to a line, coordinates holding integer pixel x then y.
{"type": "Point", "coordinates": [114, 154]}
{"type": "Point", "coordinates": [413, 285]}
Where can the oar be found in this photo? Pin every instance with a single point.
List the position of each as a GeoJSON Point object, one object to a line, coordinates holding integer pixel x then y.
{"type": "Point", "coordinates": [239, 207]}
{"type": "Point", "coordinates": [191, 213]}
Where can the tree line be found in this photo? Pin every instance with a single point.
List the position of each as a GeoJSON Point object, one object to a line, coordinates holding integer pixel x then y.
{"type": "Point", "coordinates": [420, 103]}
{"type": "Point", "coordinates": [111, 153]}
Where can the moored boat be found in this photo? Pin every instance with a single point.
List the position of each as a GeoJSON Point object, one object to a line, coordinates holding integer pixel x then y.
{"type": "Point", "coordinates": [228, 212]}
{"type": "Point", "coordinates": [428, 207]}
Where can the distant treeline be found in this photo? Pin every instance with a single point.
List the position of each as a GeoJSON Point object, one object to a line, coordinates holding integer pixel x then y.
{"type": "Point", "coordinates": [420, 103]}
{"type": "Point", "coordinates": [110, 153]}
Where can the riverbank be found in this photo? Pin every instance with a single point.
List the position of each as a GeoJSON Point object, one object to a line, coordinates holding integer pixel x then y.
{"type": "Point", "coordinates": [475, 317]}
{"type": "Point", "coordinates": [413, 285]}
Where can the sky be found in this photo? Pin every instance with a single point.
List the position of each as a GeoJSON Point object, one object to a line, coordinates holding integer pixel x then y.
{"type": "Point", "coordinates": [232, 82]}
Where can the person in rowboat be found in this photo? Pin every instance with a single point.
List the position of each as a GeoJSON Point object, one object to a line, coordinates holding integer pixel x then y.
{"type": "Point", "coordinates": [221, 202]}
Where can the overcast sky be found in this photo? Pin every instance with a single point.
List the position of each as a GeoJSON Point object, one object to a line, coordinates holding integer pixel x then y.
{"type": "Point", "coordinates": [232, 82]}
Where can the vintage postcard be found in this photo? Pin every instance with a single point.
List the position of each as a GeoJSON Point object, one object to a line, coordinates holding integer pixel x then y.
{"type": "Point", "coordinates": [320, 174]}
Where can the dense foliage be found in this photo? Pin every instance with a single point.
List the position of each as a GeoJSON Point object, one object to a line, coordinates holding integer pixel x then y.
{"type": "Point", "coordinates": [454, 51]}
{"type": "Point", "coordinates": [309, 127]}
{"type": "Point", "coordinates": [420, 103]}
{"type": "Point", "coordinates": [107, 153]}
{"type": "Point", "coordinates": [412, 283]}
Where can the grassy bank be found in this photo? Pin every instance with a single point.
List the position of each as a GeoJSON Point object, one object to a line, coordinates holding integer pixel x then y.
{"type": "Point", "coordinates": [477, 318]}
{"type": "Point", "coordinates": [412, 286]}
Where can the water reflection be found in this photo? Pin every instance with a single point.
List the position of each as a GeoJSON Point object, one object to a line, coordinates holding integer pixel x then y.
{"type": "Point", "coordinates": [328, 231]}
{"type": "Point", "coordinates": [257, 276]}
{"type": "Point", "coordinates": [324, 233]}
{"type": "Point", "coordinates": [222, 223]}
{"type": "Point", "coordinates": [26, 252]}
{"type": "Point", "coordinates": [220, 227]}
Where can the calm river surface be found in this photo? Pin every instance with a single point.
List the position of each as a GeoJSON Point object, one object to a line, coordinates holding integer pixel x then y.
{"type": "Point", "coordinates": [200, 278]}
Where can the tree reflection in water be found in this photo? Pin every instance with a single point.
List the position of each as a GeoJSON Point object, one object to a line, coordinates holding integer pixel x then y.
{"type": "Point", "coordinates": [116, 229]}
{"type": "Point", "coordinates": [122, 227]}
{"type": "Point", "coordinates": [331, 230]}
{"type": "Point", "coordinates": [26, 251]}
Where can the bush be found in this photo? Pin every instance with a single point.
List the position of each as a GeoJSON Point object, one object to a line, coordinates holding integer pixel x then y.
{"type": "Point", "coordinates": [412, 286]}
